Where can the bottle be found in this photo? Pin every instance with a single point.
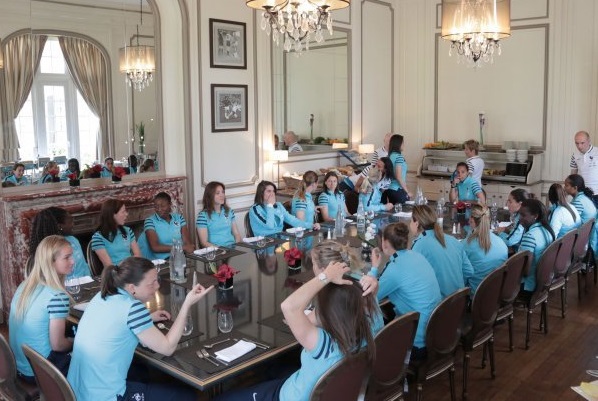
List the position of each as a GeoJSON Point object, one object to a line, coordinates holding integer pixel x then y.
{"type": "Point", "coordinates": [360, 218]}
{"type": "Point", "coordinates": [177, 262]}
{"type": "Point", "coordinates": [339, 223]}
{"type": "Point", "coordinates": [439, 214]}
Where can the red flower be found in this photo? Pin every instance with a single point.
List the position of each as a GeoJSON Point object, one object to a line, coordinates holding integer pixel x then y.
{"type": "Point", "coordinates": [96, 168]}
{"type": "Point", "coordinates": [119, 171]}
{"type": "Point", "coordinates": [460, 205]}
{"type": "Point", "coordinates": [54, 172]}
{"type": "Point", "coordinates": [225, 272]}
{"type": "Point", "coordinates": [72, 176]}
{"type": "Point", "coordinates": [292, 256]}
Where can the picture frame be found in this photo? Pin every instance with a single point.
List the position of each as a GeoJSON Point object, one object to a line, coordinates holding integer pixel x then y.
{"type": "Point", "coordinates": [229, 107]}
{"type": "Point", "coordinates": [228, 44]}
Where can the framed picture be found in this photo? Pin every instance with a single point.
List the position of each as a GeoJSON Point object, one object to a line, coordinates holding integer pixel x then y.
{"type": "Point", "coordinates": [229, 107]}
{"type": "Point", "coordinates": [228, 46]}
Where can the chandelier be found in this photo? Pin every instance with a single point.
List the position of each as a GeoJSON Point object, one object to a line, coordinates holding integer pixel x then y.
{"type": "Point", "coordinates": [475, 27]}
{"type": "Point", "coordinates": [297, 22]}
{"type": "Point", "coordinates": [138, 62]}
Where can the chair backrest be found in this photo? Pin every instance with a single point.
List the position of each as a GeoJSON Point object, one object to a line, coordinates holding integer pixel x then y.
{"type": "Point", "coordinates": [392, 344]}
{"type": "Point", "coordinates": [52, 384]}
{"type": "Point", "coordinates": [564, 257]}
{"type": "Point", "coordinates": [248, 229]}
{"type": "Point", "coordinates": [486, 301]}
{"type": "Point", "coordinates": [545, 269]}
{"type": "Point", "coordinates": [345, 380]}
{"type": "Point", "coordinates": [95, 264]}
{"type": "Point", "coordinates": [60, 159]}
{"type": "Point", "coordinates": [42, 161]}
{"type": "Point", "coordinates": [444, 327]}
{"type": "Point", "coordinates": [514, 268]}
{"type": "Point", "coordinates": [583, 239]}
{"type": "Point", "coordinates": [8, 370]}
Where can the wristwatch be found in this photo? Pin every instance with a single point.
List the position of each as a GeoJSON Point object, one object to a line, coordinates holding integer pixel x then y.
{"type": "Point", "coordinates": [323, 278]}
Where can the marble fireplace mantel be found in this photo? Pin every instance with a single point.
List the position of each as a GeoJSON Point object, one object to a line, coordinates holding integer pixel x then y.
{"type": "Point", "coordinates": [19, 205]}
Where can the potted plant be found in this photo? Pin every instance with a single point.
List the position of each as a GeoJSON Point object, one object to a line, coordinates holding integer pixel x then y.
{"type": "Point", "coordinates": [293, 258]}
{"type": "Point", "coordinates": [74, 180]}
{"type": "Point", "coordinates": [118, 174]}
{"type": "Point", "coordinates": [54, 174]}
{"type": "Point", "coordinates": [140, 128]}
{"type": "Point", "coordinates": [225, 276]}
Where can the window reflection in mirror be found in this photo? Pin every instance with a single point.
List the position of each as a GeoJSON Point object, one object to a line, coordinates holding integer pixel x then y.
{"type": "Point", "coordinates": [311, 93]}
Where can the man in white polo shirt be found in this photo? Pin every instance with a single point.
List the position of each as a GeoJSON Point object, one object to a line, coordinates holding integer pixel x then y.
{"type": "Point", "coordinates": [378, 154]}
{"type": "Point", "coordinates": [290, 140]}
{"type": "Point", "coordinates": [585, 162]}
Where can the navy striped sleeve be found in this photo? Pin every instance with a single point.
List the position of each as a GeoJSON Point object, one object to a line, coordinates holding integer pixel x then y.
{"type": "Point", "coordinates": [58, 307]}
{"type": "Point", "coordinates": [300, 204]}
{"type": "Point", "coordinates": [148, 224]}
{"type": "Point", "coordinates": [323, 199]}
{"type": "Point", "coordinates": [182, 220]}
{"type": "Point", "coordinates": [97, 241]}
{"type": "Point", "coordinates": [470, 167]}
{"type": "Point", "coordinates": [231, 213]}
{"type": "Point", "coordinates": [202, 219]}
{"type": "Point", "coordinates": [528, 242]}
{"type": "Point", "coordinates": [139, 318]}
{"type": "Point", "coordinates": [475, 188]}
{"type": "Point", "coordinates": [573, 163]}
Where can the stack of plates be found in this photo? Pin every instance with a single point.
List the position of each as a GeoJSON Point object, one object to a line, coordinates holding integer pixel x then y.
{"type": "Point", "coordinates": [522, 155]}
{"type": "Point", "coordinates": [511, 155]}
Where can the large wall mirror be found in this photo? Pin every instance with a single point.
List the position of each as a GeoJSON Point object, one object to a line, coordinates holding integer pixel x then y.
{"type": "Point", "coordinates": [58, 117]}
{"type": "Point", "coordinates": [311, 91]}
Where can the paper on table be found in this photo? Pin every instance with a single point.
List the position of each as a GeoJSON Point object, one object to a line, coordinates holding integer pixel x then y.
{"type": "Point", "coordinates": [584, 388]}
{"type": "Point", "coordinates": [81, 306]}
{"type": "Point", "coordinates": [249, 240]}
{"type": "Point", "coordinates": [85, 280]}
{"type": "Point", "coordinates": [205, 250]}
{"type": "Point", "coordinates": [504, 223]}
{"type": "Point", "coordinates": [403, 214]}
{"type": "Point", "coordinates": [235, 351]}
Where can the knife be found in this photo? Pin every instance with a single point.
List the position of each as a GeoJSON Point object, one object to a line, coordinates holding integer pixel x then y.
{"type": "Point", "coordinates": [257, 344]}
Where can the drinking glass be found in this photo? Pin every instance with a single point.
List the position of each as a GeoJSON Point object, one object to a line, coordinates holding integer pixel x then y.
{"type": "Point", "coordinates": [370, 214]}
{"type": "Point", "coordinates": [225, 321]}
{"type": "Point", "coordinates": [188, 329]}
{"type": "Point", "coordinates": [398, 208]}
{"type": "Point", "coordinates": [72, 285]}
{"type": "Point", "coordinates": [211, 253]}
{"type": "Point", "coordinates": [261, 242]}
{"type": "Point", "coordinates": [299, 232]}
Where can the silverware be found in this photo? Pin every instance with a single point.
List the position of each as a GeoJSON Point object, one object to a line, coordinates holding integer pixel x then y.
{"type": "Point", "coordinates": [592, 372]}
{"type": "Point", "coordinates": [200, 355]}
{"type": "Point", "coordinates": [209, 346]}
{"type": "Point", "coordinates": [162, 326]}
{"type": "Point", "coordinates": [259, 345]}
{"type": "Point", "coordinates": [209, 357]}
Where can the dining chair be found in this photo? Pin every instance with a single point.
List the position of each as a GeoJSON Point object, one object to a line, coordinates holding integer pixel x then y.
{"type": "Point", "coordinates": [346, 380]}
{"type": "Point", "coordinates": [514, 268]}
{"type": "Point", "coordinates": [95, 264]}
{"type": "Point", "coordinates": [393, 343]}
{"type": "Point", "coordinates": [12, 388]}
{"type": "Point", "coordinates": [562, 264]}
{"type": "Point", "coordinates": [478, 326]}
{"type": "Point", "coordinates": [442, 338]}
{"type": "Point", "coordinates": [530, 300]}
{"type": "Point", "coordinates": [52, 383]}
{"type": "Point", "coordinates": [248, 229]}
{"type": "Point", "coordinates": [580, 253]}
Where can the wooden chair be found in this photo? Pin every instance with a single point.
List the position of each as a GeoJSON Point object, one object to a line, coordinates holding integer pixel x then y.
{"type": "Point", "coordinates": [248, 230]}
{"type": "Point", "coordinates": [95, 264]}
{"type": "Point", "coordinates": [514, 268]}
{"type": "Point", "coordinates": [544, 273]}
{"type": "Point", "coordinates": [562, 265]}
{"type": "Point", "coordinates": [393, 343]}
{"type": "Point", "coordinates": [580, 251]}
{"type": "Point", "coordinates": [478, 327]}
{"type": "Point", "coordinates": [11, 387]}
{"type": "Point", "coordinates": [346, 380]}
{"type": "Point", "coordinates": [442, 338]}
{"type": "Point", "coordinates": [53, 385]}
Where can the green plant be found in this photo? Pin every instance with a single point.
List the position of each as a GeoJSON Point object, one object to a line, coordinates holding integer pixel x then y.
{"type": "Point", "coordinates": [140, 130]}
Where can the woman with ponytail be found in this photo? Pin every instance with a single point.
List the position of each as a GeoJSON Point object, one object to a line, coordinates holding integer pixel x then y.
{"type": "Point", "coordinates": [114, 323]}
{"type": "Point", "coordinates": [444, 252]}
{"type": "Point", "coordinates": [563, 217]}
{"type": "Point", "coordinates": [582, 201]}
{"type": "Point", "coordinates": [484, 249]}
{"type": "Point", "coordinates": [303, 206]}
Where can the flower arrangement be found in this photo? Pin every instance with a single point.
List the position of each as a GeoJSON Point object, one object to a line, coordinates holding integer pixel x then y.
{"type": "Point", "coordinates": [119, 172]}
{"type": "Point", "coordinates": [73, 180]}
{"type": "Point", "coordinates": [92, 172]}
{"type": "Point", "coordinates": [293, 257]}
{"type": "Point", "coordinates": [72, 176]}
{"type": "Point", "coordinates": [225, 272]}
{"type": "Point", "coordinates": [54, 171]}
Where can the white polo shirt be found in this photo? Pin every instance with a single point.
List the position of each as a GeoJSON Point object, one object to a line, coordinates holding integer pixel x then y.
{"type": "Point", "coordinates": [475, 165]}
{"type": "Point", "coordinates": [587, 166]}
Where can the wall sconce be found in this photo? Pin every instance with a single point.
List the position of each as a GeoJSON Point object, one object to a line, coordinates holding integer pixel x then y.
{"type": "Point", "coordinates": [279, 156]}
{"type": "Point", "coordinates": [340, 145]}
{"type": "Point", "coordinates": [366, 148]}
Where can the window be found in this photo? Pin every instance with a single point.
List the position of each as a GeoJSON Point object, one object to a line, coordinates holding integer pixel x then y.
{"type": "Point", "coordinates": [55, 120]}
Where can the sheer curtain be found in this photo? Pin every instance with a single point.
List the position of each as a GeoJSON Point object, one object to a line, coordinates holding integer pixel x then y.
{"type": "Point", "coordinates": [22, 55]}
{"type": "Point", "coordinates": [87, 67]}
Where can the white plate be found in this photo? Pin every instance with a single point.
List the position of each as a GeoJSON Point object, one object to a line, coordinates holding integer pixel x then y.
{"type": "Point", "coordinates": [157, 262]}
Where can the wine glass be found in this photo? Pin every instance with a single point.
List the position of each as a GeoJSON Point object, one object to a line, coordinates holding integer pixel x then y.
{"type": "Point", "coordinates": [370, 214]}
{"type": "Point", "coordinates": [225, 321]}
{"type": "Point", "coordinates": [72, 285]}
{"type": "Point", "coordinates": [398, 208]}
{"type": "Point", "coordinates": [211, 253]}
{"type": "Point", "coordinates": [261, 242]}
{"type": "Point", "coordinates": [188, 328]}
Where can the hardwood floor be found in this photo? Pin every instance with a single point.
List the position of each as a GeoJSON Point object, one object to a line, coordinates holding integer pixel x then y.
{"type": "Point", "coordinates": [546, 371]}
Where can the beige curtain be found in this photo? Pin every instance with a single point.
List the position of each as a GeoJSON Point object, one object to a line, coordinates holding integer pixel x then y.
{"type": "Point", "coordinates": [22, 55]}
{"type": "Point", "coordinates": [88, 69]}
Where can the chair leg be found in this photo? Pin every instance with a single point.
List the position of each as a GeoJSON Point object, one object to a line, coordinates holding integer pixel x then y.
{"type": "Point", "coordinates": [451, 373]}
{"type": "Point", "coordinates": [529, 327]}
{"type": "Point", "coordinates": [563, 298]}
{"type": "Point", "coordinates": [484, 353]}
{"type": "Point", "coordinates": [545, 314]}
{"type": "Point", "coordinates": [420, 390]}
{"type": "Point", "coordinates": [491, 356]}
{"type": "Point", "coordinates": [511, 347]}
{"type": "Point", "coordinates": [466, 358]}
{"type": "Point", "coordinates": [579, 276]}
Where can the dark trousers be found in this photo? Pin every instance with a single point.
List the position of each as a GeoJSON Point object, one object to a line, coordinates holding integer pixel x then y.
{"type": "Point", "coordinates": [137, 391]}
{"type": "Point", "coordinates": [266, 391]}
{"type": "Point", "coordinates": [595, 200]}
{"type": "Point", "coordinates": [394, 196]}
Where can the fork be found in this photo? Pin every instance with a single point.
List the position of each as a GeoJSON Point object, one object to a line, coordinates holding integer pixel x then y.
{"type": "Point", "coordinates": [201, 355]}
{"type": "Point", "coordinates": [209, 346]}
{"type": "Point", "coordinates": [162, 326]}
{"type": "Point", "coordinates": [592, 372]}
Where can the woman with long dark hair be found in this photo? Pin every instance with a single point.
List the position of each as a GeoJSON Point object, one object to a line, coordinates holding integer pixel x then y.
{"type": "Point", "coordinates": [370, 192]}
{"type": "Point", "coordinates": [216, 225]}
{"type": "Point", "coordinates": [582, 201]}
{"type": "Point", "coordinates": [114, 323]}
{"type": "Point", "coordinates": [563, 217]}
{"type": "Point", "coordinates": [512, 234]}
{"type": "Point", "coordinates": [398, 192]}
{"type": "Point", "coordinates": [331, 199]}
{"type": "Point", "coordinates": [113, 241]}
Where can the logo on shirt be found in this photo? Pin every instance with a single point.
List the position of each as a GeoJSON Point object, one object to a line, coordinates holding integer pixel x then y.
{"type": "Point", "coordinates": [137, 397]}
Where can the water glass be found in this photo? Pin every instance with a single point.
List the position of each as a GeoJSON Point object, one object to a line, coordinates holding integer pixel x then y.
{"type": "Point", "coordinates": [72, 285]}
{"type": "Point", "coordinates": [299, 233]}
{"type": "Point", "coordinates": [261, 242]}
{"type": "Point", "coordinates": [211, 253]}
{"type": "Point", "coordinates": [225, 321]}
{"type": "Point", "coordinates": [398, 208]}
{"type": "Point", "coordinates": [188, 328]}
{"type": "Point", "coordinates": [370, 214]}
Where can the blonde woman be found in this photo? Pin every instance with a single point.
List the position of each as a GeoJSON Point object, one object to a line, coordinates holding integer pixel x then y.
{"type": "Point", "coordinates": [40, 306]}
{"type": "Point", "coordinates": [485, 250]}
{"type": "Point", "coordinates": [303, 206]}
{"type": "Point", "coordinates": [50, 173]}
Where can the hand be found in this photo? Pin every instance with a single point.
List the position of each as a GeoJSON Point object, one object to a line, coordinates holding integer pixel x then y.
{"type": "Point", "coordinates": [316, 226]}
{"type": "Point", "coordinates": [410, 195]}
{"type": "Point", "coordinates": [197, 293]}
{"type": "Point", "coordinates": [271, 199]}
{"type": "Point", "coordinates": [376, 257]}
{"type": "Point", "coordinates": [160, 316]}
{"type": "Point", "coordinates": [335, 271]}
{"type": "Point", "coordinates": [189, 248]}
{"type": "Point", "coordinates": [388, 207]}
{"type": "Point", "coordinates": [369, 285]}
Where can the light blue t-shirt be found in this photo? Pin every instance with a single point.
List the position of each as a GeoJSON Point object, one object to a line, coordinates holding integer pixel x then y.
{"type": "Point", "coordinates": [166, 232]}
{"type": "Point", "coordinates": [219, 226]}
{"type": "Point", "coordinates": [45, 304]}
{"type": "Point", "coordinates": [450, 263]}
{"type": "Point", "coordinates": [562, 221]}
{"type": "Point", "coordinates": [397, 159]}
{"type": "Point", "coordinates": [484, 263]}
{"type": "Point", "coordinates": [513, 237]}
{"type": "Point", "coordinates": [307, 206]}
{"type": "Point", "coordinates": [536, 239]}
{"type": "Point", "coordinates": [587, 211]}
{"type": "Point", "coordinates": [12, 178]}
{"type": "Point", "coordinates": [105, 173]}
{"type": "Point", "coordinates": [267, 220]}
{"type": "Point", "coordinates": [81, 268]}
{"type": "Point", "coordinates": [118, 245]}
{"type": "Point", "coordinates": [410, 284]}
{"type": "Point", "coordinates": [332, 202]}
{"type": "Point", "coordinates": [468, 189]}
{"type": "Point", "coordinates": [372, 200]}
{"type": "Point", "coordinates": [104, 346]}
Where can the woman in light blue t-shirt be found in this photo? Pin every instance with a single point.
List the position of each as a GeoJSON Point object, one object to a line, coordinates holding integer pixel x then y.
{"type": "Point", "coordinates": [216, 225]}
{"type": "Point", "coordinates": [332, 199]}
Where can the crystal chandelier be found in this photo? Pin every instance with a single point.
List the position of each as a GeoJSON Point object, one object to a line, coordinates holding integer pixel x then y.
{"type": "Point", "coordinates": [475, 27]}
{"type": "Point", "coordinates": [138, 62]}
{"type": "Point", "coordinates": [297, 22]}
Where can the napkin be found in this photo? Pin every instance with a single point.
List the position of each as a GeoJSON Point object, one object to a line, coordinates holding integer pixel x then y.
{"type": "Point", "coordinates": [504, 223]}
{"type": "Point", "coordinates": [249, 240]}
{"type": "Point", "coordinates": [403, 214]}
{"type": "Point", "coordinates": [410, 202]}
{"type": "Point", "coordinates": [293, 230]}
{"type": "Point", "coordinates": [157, 262]}
{"type": "Point", "coordinates": [589, 391]}
{"type": "Point", "coordinates": [235, 351]}
{"type": "Point", "coordinates": [85, 280]}
{"type": "Point", "coordinates": [205, 250]}
{"type": "Point", "coordinates": [81, 306]}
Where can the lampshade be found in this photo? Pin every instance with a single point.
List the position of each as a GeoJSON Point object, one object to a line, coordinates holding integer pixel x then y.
{"type": "Point", "coordinates": [138, 63]}
{"type": "Point", "coordinates": [366, 148]}
{"type": "Point", "coordinates": [280, 155]}
{"type": "Point", "coordinates": [340, 145]}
